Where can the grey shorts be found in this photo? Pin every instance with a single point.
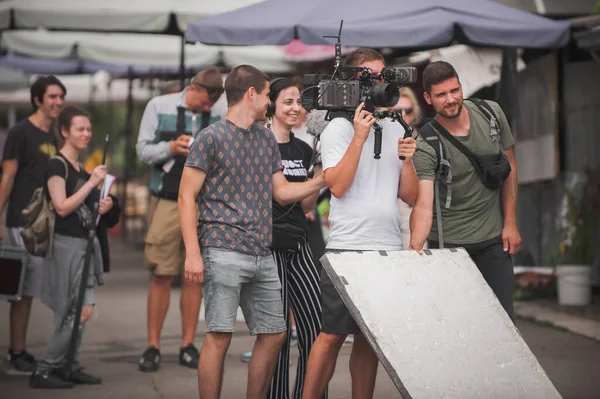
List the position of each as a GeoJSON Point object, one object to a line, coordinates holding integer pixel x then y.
{"type": "Point", "coordinates": [233, 279]}
{"type": "Point", "coordinates": [34, 265]}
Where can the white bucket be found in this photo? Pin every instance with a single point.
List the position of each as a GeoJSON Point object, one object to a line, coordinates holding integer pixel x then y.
{"type": "Point", "coordinates": [574, 285]}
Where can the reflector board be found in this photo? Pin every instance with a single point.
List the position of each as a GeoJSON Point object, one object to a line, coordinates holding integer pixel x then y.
{"type": "Point", "coordinates": [436, 326]}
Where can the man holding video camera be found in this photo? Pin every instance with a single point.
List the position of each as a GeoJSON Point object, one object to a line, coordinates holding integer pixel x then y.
{"type": "Point", "coordinates": [364, 216]}
{"type": "Point", "coordinates": [168, 125]}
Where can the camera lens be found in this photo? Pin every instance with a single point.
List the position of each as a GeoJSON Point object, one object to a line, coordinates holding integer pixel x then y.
{"type": "Point", "coordinates": [385, 94]}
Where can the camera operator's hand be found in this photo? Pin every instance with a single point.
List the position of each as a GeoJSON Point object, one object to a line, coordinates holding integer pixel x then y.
{"type": "Point", "coordinates": [181, 145]}
{"type": "Point", "coordinates": [363, 120]}
{"type": "Point", "coordinates": [407, 148]}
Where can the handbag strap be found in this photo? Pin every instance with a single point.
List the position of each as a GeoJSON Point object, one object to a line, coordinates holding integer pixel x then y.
{"type": "Point", "coordinates": [61, 159]}
{"type": "Point", "coordinates": [460, 146]}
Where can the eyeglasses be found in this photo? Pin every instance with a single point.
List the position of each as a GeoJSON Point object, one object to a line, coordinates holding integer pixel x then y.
{"type": "Point", "coordinates": [407, 111]}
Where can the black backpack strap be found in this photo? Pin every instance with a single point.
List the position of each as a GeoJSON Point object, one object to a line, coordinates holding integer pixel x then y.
{"type": "Point", "coordinates": [205, 120]}
{"type": "Point", "coordinates": [180, 126]}
{"type": "Point", "coordinates": [431, 138]}
{"type": "Point", "coordinates": [490, 115]}
{"type": "Point", "coordinates": [444, 168]}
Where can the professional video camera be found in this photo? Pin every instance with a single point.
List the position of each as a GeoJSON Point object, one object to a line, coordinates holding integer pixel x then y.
{"type": "Point", "coordinates": [342, 91]}
{"type": "Point", "coordinates": [338, 95]}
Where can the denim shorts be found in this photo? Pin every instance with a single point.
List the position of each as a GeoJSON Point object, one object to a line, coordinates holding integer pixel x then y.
{"type": "Point", "coordinates": [34, 265]}
{"type": "Point", "coordinates": [233, 279]}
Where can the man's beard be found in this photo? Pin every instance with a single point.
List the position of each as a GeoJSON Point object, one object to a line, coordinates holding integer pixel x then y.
{"type": "Point", "coordinates": [452, 116]}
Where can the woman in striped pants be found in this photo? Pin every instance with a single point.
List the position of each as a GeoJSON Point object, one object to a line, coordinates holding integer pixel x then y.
{"type": "Point", "coordinates": [300, 276]}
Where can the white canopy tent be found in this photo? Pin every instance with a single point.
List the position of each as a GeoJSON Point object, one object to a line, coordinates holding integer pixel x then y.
{"type": "Point", "coordinates": [161, 51]}
{"type": "Point", "coordinates": [98, 88]}
{"type": "Point", "coordinates": [169, 17]}
{"type": "Point", "coordinates": [12, 79]}
{"type": "Point", "coordinates": [478, 67]}
{"type": "Point", "coordinates": [151, 16]}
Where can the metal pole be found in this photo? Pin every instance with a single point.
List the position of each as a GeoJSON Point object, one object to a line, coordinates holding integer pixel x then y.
{"type": "Point", "coordinates": [127, 162]}
{"type": "Point", "coordinates": [506, 90]}
{"type": "Point", "coordinates": [12, 116]}
{"type": "Point", "coordinates": [182, 63]}
{"type": "Point", "coordinates": [84, 277]}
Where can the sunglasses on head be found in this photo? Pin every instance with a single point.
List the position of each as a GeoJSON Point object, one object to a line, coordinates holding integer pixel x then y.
{"type": "Point", "coordinates": [407, 111]}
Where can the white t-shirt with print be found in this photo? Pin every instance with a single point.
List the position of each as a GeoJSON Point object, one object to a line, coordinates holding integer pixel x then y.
{"type": "Point", "coordinates": [367, 217]}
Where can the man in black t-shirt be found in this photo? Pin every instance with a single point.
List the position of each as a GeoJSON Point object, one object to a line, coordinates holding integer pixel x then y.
{"type": "Point", "coordinates": [27, 149]}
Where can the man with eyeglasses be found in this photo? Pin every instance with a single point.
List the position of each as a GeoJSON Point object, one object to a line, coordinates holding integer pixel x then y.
{"type": "Point", "coordinates": [167, 129]}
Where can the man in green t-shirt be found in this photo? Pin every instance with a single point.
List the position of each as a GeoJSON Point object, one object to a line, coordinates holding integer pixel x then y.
{"type": "Point", "coordinates": [480, 219]}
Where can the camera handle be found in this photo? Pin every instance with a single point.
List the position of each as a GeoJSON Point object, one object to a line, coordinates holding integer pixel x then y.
{"type": "Point", "coordinates": [407, 129]}
{"type": "Point", "coordinates": [378, 137]}
{"type": "Point", "coordinates": [395, 116]}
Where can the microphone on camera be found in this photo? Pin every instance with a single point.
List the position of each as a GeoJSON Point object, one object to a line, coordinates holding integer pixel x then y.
{"type": "Point", "coordinates": [315, 122]}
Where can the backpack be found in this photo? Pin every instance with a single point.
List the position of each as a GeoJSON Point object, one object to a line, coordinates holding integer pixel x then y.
{"type": "Point", "coordinates": [39, 218]}
{"type": "Point", "coordinates": [492, 170]}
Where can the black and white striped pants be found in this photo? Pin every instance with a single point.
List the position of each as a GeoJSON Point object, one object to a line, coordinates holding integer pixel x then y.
{"type": "Point", "coordinates": [300, 282]}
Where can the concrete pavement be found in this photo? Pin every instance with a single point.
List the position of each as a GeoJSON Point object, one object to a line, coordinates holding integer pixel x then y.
{"type": "Point", "coordinates": [116, 336]}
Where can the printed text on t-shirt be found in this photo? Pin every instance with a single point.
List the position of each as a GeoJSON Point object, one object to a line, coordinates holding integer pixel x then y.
{"type": "Point", "coordinates": [293, 167]}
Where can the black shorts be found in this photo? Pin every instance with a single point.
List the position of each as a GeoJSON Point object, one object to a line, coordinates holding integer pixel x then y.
{"type": "Point", "coordinates": [336, 318]}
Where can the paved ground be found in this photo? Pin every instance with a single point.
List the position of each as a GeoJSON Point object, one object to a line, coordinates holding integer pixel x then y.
{"type": "Point", "coordinates": [116, 337]}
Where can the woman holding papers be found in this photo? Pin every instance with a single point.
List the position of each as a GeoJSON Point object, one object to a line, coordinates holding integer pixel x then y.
{"type": "Point", "coordinates": [72, 192]}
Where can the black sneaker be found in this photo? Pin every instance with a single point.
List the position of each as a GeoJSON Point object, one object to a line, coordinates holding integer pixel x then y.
{"type": "Point", "coordinates": [48, 380]}
{"type": "Point", "coordinates": [21, 362]}
{"type": "Point", "coordinates": [150, 360]}
{"type": "Point", "coordinates": [189, 356]}
{"type": "Point", "coordinates": [79, 377]}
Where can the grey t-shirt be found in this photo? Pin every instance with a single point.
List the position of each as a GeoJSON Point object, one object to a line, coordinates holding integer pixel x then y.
{"type": "Point", "coordinates": [235, 202]}
{"type": "Point", "coordinates": [367, 216]}
{"type": "Point", "coordinates": [475, 213]}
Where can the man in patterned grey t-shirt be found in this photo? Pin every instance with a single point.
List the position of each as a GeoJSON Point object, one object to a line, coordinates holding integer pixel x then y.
{"type": "Point", "coordinates": [235, 200]}
{"type": "Point", "coordinates": [234, 171]}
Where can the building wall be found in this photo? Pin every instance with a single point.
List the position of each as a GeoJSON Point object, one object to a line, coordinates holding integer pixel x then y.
{"type": "Point", "coordinates": [581, 93]}
{"type": "Point", "coordinates": [540, 200]}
